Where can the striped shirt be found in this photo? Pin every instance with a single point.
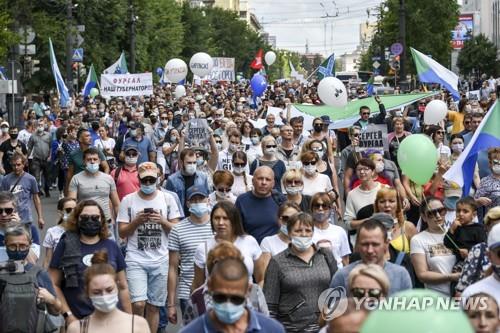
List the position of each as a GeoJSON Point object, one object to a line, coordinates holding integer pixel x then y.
{"type": "Point", "coordinates": [184, 239]}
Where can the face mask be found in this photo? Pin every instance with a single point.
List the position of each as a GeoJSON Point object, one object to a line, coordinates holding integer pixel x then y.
{"type": "Point", "coordinates": [89, 227]}
{"type": "Point", "coordinates": [133, 132]}
{"type": "Point", "coordinates": [13, 136]}
{"type": "Point", "coordinates": [318, 128]}
{"type": "Point", "coordinates": [200, 161]}
{"type": "Point", "coordinates": [190, 169]}
{"type": "Point", "coordinates": [255, 141]}
{"type": "Point", "coordinates": [223, 194]}
{"type": "Point", "coordinates": [310, 169]}
{"type": "Point", "coordinates": [270, 151]}
{"type": "Point", "coordinates": [199, 209]}
{"type": "Point", "coordinates": [389, 235]}
{"type": "Point", "coordinates": [47, 113]}
{"type": "Point", "coordinates": [105, 303]}
{"type": "Point", "coordinates": [227, 312]}
{"type": "Point", "coordinates": [148, 189]}
{"type": "Point", "coordinates": [219, 146]}
{"type": "Point", "coordinates": [284, 229]}
{"type": "Point", "coordinates": [320, 153]}
{"type": "Point", "coordinates": [124, 119]}
{"type": "Point", "coordinates": [496, 169]}
{"type": "Point", "coordinates": [321, 216]}
{"type": "Point", "coordinates": [457, 147]}
{"type": "Point", "coordinates": [40, 129]}
{"type": "Point", "coordinates": [65, 217]}
{"type": "Point", "coordinates": [292, 190]}
{"type": "Point", "coordinates": [302, 243]}
{"type": "Point", "coordinates": [379, 167]}
{"type": "Point", "coordinates": [238, 170]}
{"type": "Point", "coordinates": [131, 160]}
{"type": "Point", "coordinates": [233, 147]}
{"type": "Point", "coordinates": [5, 130]}
{"type": "Point", "coordinates": [92, 167]}
{"type": "Point", "coordinates": [164, 123]}
{"type": "Point", "coordinates": [468, 108]}
{"type": "Point", "coordinates": [17, 255]}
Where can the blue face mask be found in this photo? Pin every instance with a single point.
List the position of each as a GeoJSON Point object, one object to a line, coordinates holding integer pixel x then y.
{"type": "Point", "coordinates": [227, 312]}
{"type": "Point", "coordinates": [17, 255]}
{"type": "Point", "coordinates": [284, 229]}
{"type": "Point", "coordinates": [148, 189]}
{"type": "Point", "coordinates": [92, 167]}
{"type": "Point", "coordinates": [199, 209]}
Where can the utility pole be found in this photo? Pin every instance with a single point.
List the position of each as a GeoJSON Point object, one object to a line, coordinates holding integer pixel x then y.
{"type": "Point", "coordinates": [402, 40]}
{"type": "Point", "coordinates": [132, 35]}
{"type": "Point", "coordinates": [69, 46]}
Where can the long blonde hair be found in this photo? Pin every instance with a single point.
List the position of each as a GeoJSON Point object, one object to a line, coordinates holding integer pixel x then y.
{"type": "Point", "coordinates": [390, 191]}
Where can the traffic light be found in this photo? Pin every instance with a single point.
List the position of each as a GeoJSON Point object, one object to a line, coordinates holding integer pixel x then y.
{"type": "Point", "coordinates": [27, 68]}
{"type": "Point", "coordinates": [396, 64]}
{"type": "Point", "coordinates": [34, 66]}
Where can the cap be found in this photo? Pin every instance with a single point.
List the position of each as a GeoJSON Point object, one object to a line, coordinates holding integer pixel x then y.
{"type": "Point", "coordinates": [196, 190]}
{"type": "Point", "coordinates": [326, 120]}
{"type": "Point", "coordinates": [4, 123]}
{"type": "Point", "coordinates": [130, 147]}
{"type": "Point", "coordinates": [242, 99]}
{"type": "Point", "coordinates": [494, 237]}
{"type": "Point", "coordinates": [384, 218]}
{"type": "Point", "coordinates": [148, 169]}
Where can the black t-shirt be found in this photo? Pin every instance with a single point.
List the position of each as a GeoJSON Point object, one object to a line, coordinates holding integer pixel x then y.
{"type": "Point", "coordinates": [8, 150]}
{"type": "Point", "coordinates": [188, 182]}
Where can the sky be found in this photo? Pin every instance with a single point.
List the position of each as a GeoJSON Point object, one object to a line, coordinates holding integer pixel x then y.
{"type": "Point", "coordinates": [295, 22]}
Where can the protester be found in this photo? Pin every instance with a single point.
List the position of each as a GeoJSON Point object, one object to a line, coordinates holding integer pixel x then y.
{"type": "Point", "coordinates": [368, 282]}
{"type": "Point", "coordinates": [483, 312]}
{"type": "Point", "coordinates": [125, 176]}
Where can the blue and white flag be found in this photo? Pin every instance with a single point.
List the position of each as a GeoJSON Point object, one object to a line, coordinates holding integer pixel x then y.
{"type": "Point", "coordinates": [62, 90]}
{"type": "Point", "coordinates": [327, 68]}
{"type": "Point", "coordinates": [3, 74]}
{"type": "Point", "coordinates": [119, 67]}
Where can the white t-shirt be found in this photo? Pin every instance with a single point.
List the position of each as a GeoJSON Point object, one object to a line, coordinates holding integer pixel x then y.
{"type": "Point", "coordinates": [320, 183]}
{"type": "Point", "coordinates": [489, 285]}
{"type": "Point", "coordinates": [149, 242]}
{"type": "Point", "coordinates": [52, 236]}
{"type": "Point", "coordinates": [439, 258]}
{"type": "Point", "coordinates": [225, 161]}
{"type": "Point", "coordinates": [333, 237]}
{"type": "Point", "coordinates": [248, 246]}
{"type": "Point", "coordinates": [253, 153]}
{"type": "Point", "coordinates": [105, 144]}
{"type": "Point", "coordinates": [273, 245]}
{"type": "Point", "coordinates": [239, 187]}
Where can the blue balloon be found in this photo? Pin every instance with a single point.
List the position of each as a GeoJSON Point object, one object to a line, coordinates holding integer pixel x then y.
{"type": "Point", "coordinates": [159, 71]}
{"type": "Point", "coordinates": [258, 84]}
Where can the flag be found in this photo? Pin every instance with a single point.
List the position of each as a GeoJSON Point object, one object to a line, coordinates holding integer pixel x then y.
{"type": "Point", "coordinates": [257, 62]}
{"type": "Point", "coordinates": [296, 75]}
{"type": "Point", "coordinates": [487, 135]}
{"type": "Point", "coordinates": [62, 90]}
{"type": "Point", "coordinates": [430, 71]}
{"type": "Point", "coordinates": [119, 67]}
{"type": "Point", "coordinates": [91, 81]}
{"type": "Point", "coordinates": [327, 68]}
{"type": "Point", "coordinates": [369, 86]}
{"type": "Point", "coordinates": [3, 75]}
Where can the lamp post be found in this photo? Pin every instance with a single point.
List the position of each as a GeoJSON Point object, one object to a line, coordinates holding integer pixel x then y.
{"type": "Point", "coordinates": [402, 40]}
{"type": "Point", "coordinates": [132, 35]}
{"type": "Point", "coordinates": [69, 46]}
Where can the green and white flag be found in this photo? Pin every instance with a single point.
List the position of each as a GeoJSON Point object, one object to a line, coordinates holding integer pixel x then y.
{"type": "Point", "coordinates": [119, 67]}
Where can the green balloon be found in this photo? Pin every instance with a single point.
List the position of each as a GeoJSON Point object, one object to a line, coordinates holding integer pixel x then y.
{"type": "Point", "coordinates": [411, 316]}
{"type": "Point", "coordinates": [417, 158]}
{"type": "Point", "coordinates": [94, 92]}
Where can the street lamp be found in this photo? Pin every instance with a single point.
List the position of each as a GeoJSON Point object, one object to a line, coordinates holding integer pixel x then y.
{"type": "Point", "coordinates": [402, 40]}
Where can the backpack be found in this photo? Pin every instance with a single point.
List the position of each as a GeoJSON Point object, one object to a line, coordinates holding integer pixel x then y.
{"type": "Point", "coordinates": [19, 311]}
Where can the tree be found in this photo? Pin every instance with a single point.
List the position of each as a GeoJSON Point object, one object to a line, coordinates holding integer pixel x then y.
{"type": "Point", "coordinates": [479, 56]}
{"type": "Point", "coordinates": [7, 37]}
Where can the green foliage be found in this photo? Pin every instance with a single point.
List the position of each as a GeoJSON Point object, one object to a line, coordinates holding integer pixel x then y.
{"type": "Point", "coordinates": [428, 29]}
{"type": "Point", "coordinates": [479, 56]}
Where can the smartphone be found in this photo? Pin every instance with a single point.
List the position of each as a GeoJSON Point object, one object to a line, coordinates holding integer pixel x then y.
{"type": "Point", "coordinates": [148, 210]}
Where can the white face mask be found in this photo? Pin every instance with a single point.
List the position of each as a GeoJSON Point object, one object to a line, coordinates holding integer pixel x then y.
{"type": "Point", "coordinates": [379, 167]}
{"type": "Point", "coordinates": [233, 147]}
{"type": "Point", "coordinates": [270, 151]}
{"type": "Point", "coordinates": [320, 153]}
{"type": "Point", "coordinates": [457, 147]}
{"type": "Point", "coordinates": [238, 170]}
{"type": "Point", "coordinates": [190, 169]}
{"type": "Point", "coordinates": [292, 190]}
{"type": "Point", "coordinates": [5, 130]}
{"type": "Point", "coordinates": [105, 303]}
{"type": "Point", "coordinates": [219, 146]}
{"type": "Point", "coordinates": [496, 169]}
{"type": "Point", "coordinates": [130, 160]}
{"type": "Point", "coordinates": [310, 169]}
{"type": "Point", "coordinates": [302, 243]}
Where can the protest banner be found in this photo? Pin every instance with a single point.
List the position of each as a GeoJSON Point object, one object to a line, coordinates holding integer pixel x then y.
{"type": "Point", "coordinates": [374, 137]}
{"type": "Point", "coordinates": [198, 133]}
{"type": "Point", "coordinates": [127, 84]}
{"type": "Point", "coordinates": [223, 70]}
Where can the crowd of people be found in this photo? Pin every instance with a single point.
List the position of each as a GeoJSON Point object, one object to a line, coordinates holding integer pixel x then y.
{"type": "Point", "coordinates": [246, 231]}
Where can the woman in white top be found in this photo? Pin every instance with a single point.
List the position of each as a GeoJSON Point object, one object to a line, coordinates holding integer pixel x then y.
{"type": "Point", "coordinates": [437, 134]}
{"type": "Point", "coordinates": [246, 129]}
{"type": "Point", "coordinates": [226, 224]}
{"type": "Point", "coordinates": [64, 208]}
{"type": "Point", "coordinates": [254, 150]}
{"type": "Point", "coordinates": [272, 245]}
{"type": "Point", "coordinates": [105, 143]}
{"type": "Point", "coordinates": [242, 179]}
{"type": "Point", "coordinates": [314, 181]}
{"type": "Point", "coordinates": [223, 181]}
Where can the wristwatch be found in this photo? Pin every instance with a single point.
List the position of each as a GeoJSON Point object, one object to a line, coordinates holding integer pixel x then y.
{"type": "Point", "coordinates": [67, 314]}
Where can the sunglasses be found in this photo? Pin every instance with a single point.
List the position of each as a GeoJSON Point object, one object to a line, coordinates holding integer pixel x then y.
{"type": "Point", "coordinates": [164, 118]}
{"type": "Point", "coordinates": [310, 163]}
{"type": "Point", "coordinates": [362, 292]}
{"type": "Point", "coordinates": [222, 298]}
{"type": "Point", "coordinates": [218, 142]}
{"type": "Point", "coordinates": [148, 180]}
{"type": "Point", "coordinates": [433, 212]}
{"type": "Point", "coordinates": [440, 132]}
{"type": "Point", "coordinates": [239, 165]}
{"type": "Point", "coordinates": [18, 248]}
{"type": "Point", "coordinates": [271, 146]}
{"type": "Point", "coordinates": [224, 190]}
{"type": "Point", "coordinates": [365, 113]}
{"type": "Point", "coordinates": [7, 211]}
{"type": "Point", "coordinates": [68, 210]}
{"type": "Point", "coordinates": [320, 206]}
{"type": "Point", "coordinates": [355, 135]}
{"type": "Point", "coordinates": [87, 218]}
{"type": "Point", "coordinates": [285, 218]}
{"type": "Point", "coordinates": [363, 169]}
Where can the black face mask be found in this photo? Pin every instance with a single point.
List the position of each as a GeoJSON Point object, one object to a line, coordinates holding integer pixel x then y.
{"type": "Point", "coordinates": [318, 128]}
{"type": "Point", "coordinates": [13, 136]}
{"type": "Point", "coordinates": [89, 227]}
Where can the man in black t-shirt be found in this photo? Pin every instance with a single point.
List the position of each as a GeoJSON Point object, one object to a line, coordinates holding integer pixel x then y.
{"type": "Point", "coordinates": [8, 148]}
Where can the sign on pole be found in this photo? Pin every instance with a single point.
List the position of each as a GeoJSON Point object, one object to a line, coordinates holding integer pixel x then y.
{"type": "Point", "coordinates": [127, 84]}
{"type": "Point", "coordinates": [376, 64]}
{"type": "Point", "coordinates": [77, 55]}
{"type": "Point", "coordinates": [463, 31]}
{"type": "Point", "coordinates": [397, 49]}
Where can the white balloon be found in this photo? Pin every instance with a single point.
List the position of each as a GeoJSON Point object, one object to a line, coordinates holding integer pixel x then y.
{"type": "Point", "coordinates": [180, 91]}
{"type": "Point", "coordinates": [201, 64]}
{"type": "Point", "coordinates": [176, 70]}
{"type": "Point", "coordinates": [332, 92]}
{"type": "Point", "coordinates": [270, 58]}
{"type": "Point", "coordinates": [435, 111]}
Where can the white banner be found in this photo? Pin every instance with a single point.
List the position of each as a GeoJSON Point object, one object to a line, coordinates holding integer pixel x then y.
{"type": "Point", "coordinates": [127, 84]}
{"type": "Point", "coordinates": [223, 70]}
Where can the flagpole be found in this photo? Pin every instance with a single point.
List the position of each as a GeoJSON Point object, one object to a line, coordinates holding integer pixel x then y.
{"type": "Point", "coordinates": [314, 72]}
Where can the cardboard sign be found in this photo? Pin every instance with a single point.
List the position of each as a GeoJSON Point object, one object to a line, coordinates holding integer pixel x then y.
{"type": "Point", "coordinates": [374, 137]}
{"type": "Point", "coordinates": [198, 133]}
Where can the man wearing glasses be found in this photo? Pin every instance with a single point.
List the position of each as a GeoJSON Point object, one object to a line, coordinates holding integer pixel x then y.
{"type": "Point", "coordinates": [365, 112]}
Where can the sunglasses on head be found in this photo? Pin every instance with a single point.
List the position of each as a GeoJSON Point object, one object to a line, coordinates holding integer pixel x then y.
{"type": "Point", "coordinates": [363, 292]}
{"type": "Point", "coordinates": [148, 180]}
{"type": "Point", "coordinates": [433, 212]}
{"type": "Point", "coordinates": [310, 163]}
{"type": "Point", "coordinates": [223, 298]}
{"type": "Point", "coordinates": [86, 218]}
{"type": "Point", "coordinates": [7, 211]}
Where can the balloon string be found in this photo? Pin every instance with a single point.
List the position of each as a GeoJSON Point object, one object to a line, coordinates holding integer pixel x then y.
{"type": "Point", "coordinates": [442, 229]}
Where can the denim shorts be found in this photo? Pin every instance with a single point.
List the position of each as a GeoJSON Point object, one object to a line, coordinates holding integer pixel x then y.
{"type": "Point", "coordinates": [147, 282]}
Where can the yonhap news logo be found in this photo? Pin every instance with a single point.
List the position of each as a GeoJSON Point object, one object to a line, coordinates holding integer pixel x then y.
{"type": "Point", "coordinates": [332, 303]}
